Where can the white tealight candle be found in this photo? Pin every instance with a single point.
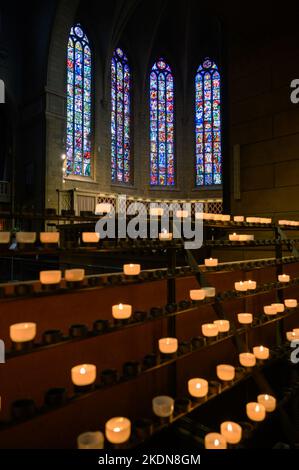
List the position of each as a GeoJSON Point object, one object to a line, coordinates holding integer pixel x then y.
{"type": "Point", "coordinates": [245, 318]}
{"type": "Point", "coordinates": [268, 401]}
{"type": "Point", "coordinates": [210, 330]}
{"type": "Point", "coordinates": [132, 269]}
{"type": "Point", "coordinates": [22, 332]}
{"type": "Point", "coordinates": [261, 352]}
{"type": "Point", "coordinates": [91, 440]}
{"type": "Point", "coordinates": [74, 275]}
{"type": "Point", "coordinates": [241, 286]}
{"type": "Point", "coordinates": [292, 336]}
{"type": "Point", "coordinates": [239, 218]}
{"type": "Point", "coordinates": [256, 411]}
{"type": "Point", "coordinates": [270, 310]}
{"type": "Point", "coordinates": [284, 278]}
{"type": "Point", "coordinates": [168, 345]}
{"type": "Point", "coordinates": [209, 291]}
{"type": "Point", "coordinates": [198, 388]}
{"type": "Point", "coordinates": [165, 236]}
{"type": "Point", "coordinates": [84, 375]}
{"type": "Point", "coordinates": [291, 303]}
{"type": "Point", "coordinates": [247, 359]}
{"type": "Point", "coordinates": [251, 285]}
{"type": "Point", "coordinates": [280, 308]}
{"type": "Point", "coordinates": [163, 406]}
{"type": "Point", "coordinates": [122, 312]}
{"type": "Point", "coordinates": [211, 263]}
{"type": "Point", "coordinates": [215, 441]}
{"type": "Point", "coordinates": [234, 237]}
{"type": "Point", "coordinates": [50, 278]}
{"type": "Point", "coordinates": [223, 325]}
{"type": "Point", "coordinates": [232, 432]}
{"type": "Point", "coordinates": [49, 237]}
{"type": "Point", "coordinates": [225, 372]}
{"type": "Point", "coordinates": [198, 294]}
{"type": "Point", "coordinates": [90, 237]}
{"type": "Point", "coordinates": [118, 430]}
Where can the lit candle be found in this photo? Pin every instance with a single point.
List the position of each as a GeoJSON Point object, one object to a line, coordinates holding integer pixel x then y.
{"type": "Point", "coordinates": [211, 263]}
{"type": "Point", "coordinates": [270, 310]}
{"type": "Point", "coordinates": [232, 432]}
{"type": "Point", "coordinates": [245, 318]}
{"type": "Point", "coordinates": [74, 275]}
{"type": "Point", "coordinates": [90, 237]}
{"type": "Point", "coordinates": [247, 359]}
{"type": "Point", "coordinates": [168, 345]}
{"type": "Point", "coordinates": [210, 330]}
{"type": "Point", "coordinates": [239, 218]}
{"type": "Point", "coordinates": [84, 375]}
{"type": "Point", "coordinates": [296, 331]}
{"type": "Point", "coordinates": [22, 332]}
{"type": "Point", "coordinates": [4, 238]}
{"type": "Point", "coordinates": [251, 285]}
{"type": "Point", "coordinates": [217, 217]}
{"type": "Point", "coordinates": [163, 406]}
{"type": "Point", "coordinates": [284, 278]}
{"type": "Point", "coordinates": [291, 303]}
{"type": "Point", "coordinates": [165, 236]}
{"type": "Point", "coordinates": [49, 237]}
{"type": "Point", "coordinates": [198, 388]}
{"type": "Point", "coordinates": [26, 237]}
{"type": "Point", "coordinates": [121, 312]}
{"type": "Point", "coordinates": [223, 325]}
{"type": "Point", "coordinates": [246, 238]}
{"type": "Point", "coordinates": [214, 441]}
{"type": "Point", "coordinates": [156, 211]}
{"type": "Point", "coordinates": [252, 220]}
{"type": "Point", "coordinates": [209, 291]}
{"type": "Point", "coordinates": [118, 430]}
{"type": "Point", "coordinates": [225, 218]}
{"type": "Point", "coordinates": [198, 294]}
{"type": "Point", "coordinates": [208, 216]}
{"type": "Point", "coordinates": [50, 278]}
{"type": "Point", "coordinates": [261, 352]}
{"type": "Point", "coordinates": [132, 269]}
{"type": "Point", "coordinates": [256, 411]}
{"type": "Point", "coordinates": [292, 336]}
{"type": "Point", "coordinates": [268, 401]}
{"type": "Point", "coordinates": [280, 308]}
{"type": "Point", "coordinates": [91, 440]}
{"type": "Point", "coordinates": [182, 214]}
{"type": "Point", "coordinates": [265, 220]}
{"type": "Point", "coordinates": [241, 286]}
{"type": "Point", "coordinates": [225, 372]}
{"type": "Point", "coordinates": [234, 237]}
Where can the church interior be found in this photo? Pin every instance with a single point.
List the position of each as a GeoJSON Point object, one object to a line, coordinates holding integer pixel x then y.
{"type": "Point", "coordinates": [149, 225]}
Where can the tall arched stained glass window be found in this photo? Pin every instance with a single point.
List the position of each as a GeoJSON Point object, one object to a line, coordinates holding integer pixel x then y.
{"type": "Point", "coordinates": [120, 118]}
{"type": "Point", "coordinates": [162, 171]}
{"type": "Point", "coordinates": [208, 125]}
{"type": "Point", "coordinates": [78, 147]}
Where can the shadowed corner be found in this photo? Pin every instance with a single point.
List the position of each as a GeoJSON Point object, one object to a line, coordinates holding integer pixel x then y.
{"type": "Point", "coordinates": [2, 92]}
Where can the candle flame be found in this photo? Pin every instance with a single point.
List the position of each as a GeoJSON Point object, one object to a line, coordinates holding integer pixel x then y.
{"type": "Point", "coordinates": [257, 408]}
{"type": "Point", "coordinates": [229, 427]}
{"type": "Point", "coordinates": [83, 371]}
{"type": "Point", "coordinates": [117, 429]}
{"type": "Point", "coordinates": [216, 442]}
{"type": "Point", "coordinates": [262, 348]}
{"type": "Point", "coordinates": [121, 307]}
{"type": "Point", "coordinates": [267, 397]}
{"type": "Point", "coordinates": [198, 386]}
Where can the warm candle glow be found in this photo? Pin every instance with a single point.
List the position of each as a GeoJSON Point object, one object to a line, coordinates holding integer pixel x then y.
{"type": "Point", "coordinates": [261, 352]}
{"type": "Point", "coordinates": [291, 303]}
{"type": "Point", "coordinates": [118, 430]}
{"type": "Point", "coordinates": [225, 372]}
{"type": "Point", "coordinates": [234, 237]}
{"type": "Point", "coordinates": [225, 218]}
{"type": "Point", "coordinates": [165, 236]}
{"type": "Point", "coordinates": [215, 441]}
{"type": "Point", "coordinates": [255, 411]}
{"type": "Point", "coordinates": [292, 336]}
{"type": "Point", "coordinates": [270, 310]}
{"type": "Point", "coordinates": [84, 375]}
{"type": "Point", "coordinates": [198, 294]}
{"type": "Point", "coordinates": [211, 263]}
{"type": "Point", "coordinates": [245, 318]}
{"type": "Point", "coordinates": [168, 345]}
{"type": "Point", "coordinates": [26, 237]}
{"type": "Point", "coordinates": [49, 237]}
{"type": "Point", "coordinates": [198, 388]}
{"type": "Point", "coordinates": [132, 269]}
{"type": "Point", "coordinates": [268, 401]}
{"type": "Point", "coordinates": [22, 332]}
{"type": "Point", "coordinates": [247, 359]}
{"type": "Point", "coordinates": [223, 325]}
{"type": "Point", "coordinates": [251, 285]}
{"type": "Point", "coordinates": [280, 308]}
{"type": "Point", "coordinates": [232, 432]}
{"type": "Point", "coordinates": [4, 238]}
{"type": "Point", "coordinates": [74, 275]}
{"type": "Point", "coordinates": [284, 278]}
{"type": "Point", "coordinates": [209, 291]}
{"type": "Point", "coordinates": [246, 238]}
{"type": "Point", "coordinates": [241, 286]}
{"type": "Point", "coordinates": [90, 237]}
{"type": "Point", "coordinates": [210, 330]}
{"type": "Point", "coordinates": [121, 312]}
{"type": "Point", "coordinates": [239, 218]}
{"type": "Point", "coordinates": [48, 278]}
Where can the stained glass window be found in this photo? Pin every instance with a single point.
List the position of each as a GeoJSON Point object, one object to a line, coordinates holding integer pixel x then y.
{"type": "Point", "coordinates": [78, 146]}
{"type": "Point", "coordinates": [208, 125]}
{"type": "Point", "coordinates": [120, 118]}
{"type": "Point", "coordinates": [162, 161]}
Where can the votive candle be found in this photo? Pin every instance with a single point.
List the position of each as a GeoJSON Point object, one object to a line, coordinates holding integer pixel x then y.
{"type": "Point", "coordinates": [215, 441]}
{"type": "Point", "coordinates": [232, 432]}
{"type": "Point", "coordinates": [168, 345]}
{"type": "Point", "coordinates": [132, 269]}
{"type": "Point", "coordinates": [198, 388]}
{"type": "Point", "coordinates": [223, 325]}
{"type": "Point", "coordinates": [121, 312]}
{"type": "Point", "coordinates": [245, 318]}
{"type": "Point", "coordinates": [118, 430]}
{"type": "Point", "coordinates": [268, 401]}
{"type": "Point", "coordinates": [256, 411]}
{"type": "Point", "coordinates": [225, 372]}
{"type": "Point", "coordinates": [211, 263]}
{"type": "Point", "coordinates": [261, 352]}
{"type": "Point", "coordinates": [291, 303]}
{"type": "Point", "coordinates": [210, 330]}
{"type": "Point", "coordinates": [84, 375]}
{"type": "Point", "coordinates": [22, 332]}
{"type": "Point", "coordinates": [247, 359]}
{"type": "Point", "coordinates": [198, 294]}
